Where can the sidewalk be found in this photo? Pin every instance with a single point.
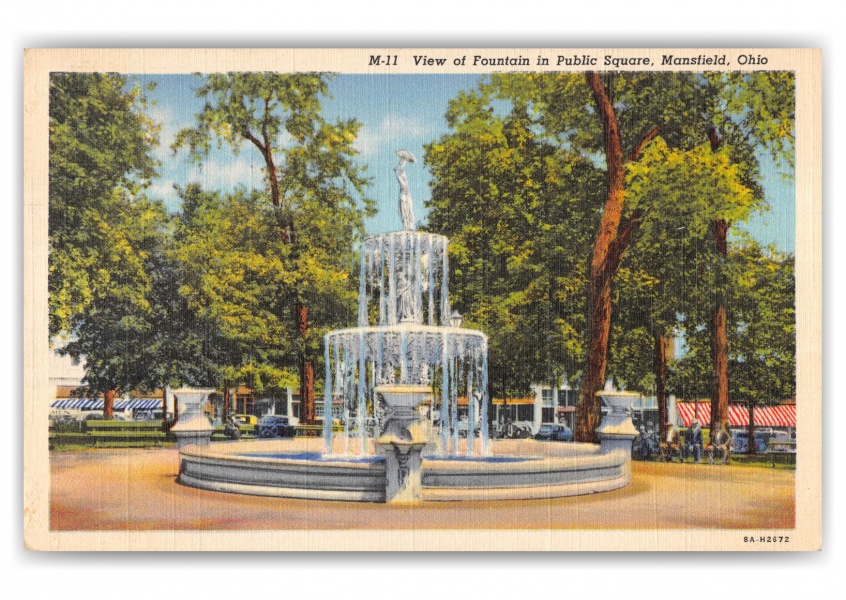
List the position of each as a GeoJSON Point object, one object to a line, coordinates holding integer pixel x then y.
{"type": "Point", "coordinates": [135, 489]}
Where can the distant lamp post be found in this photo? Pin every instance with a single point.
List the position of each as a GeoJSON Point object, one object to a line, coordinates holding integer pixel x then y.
{"type": "Point", "coordinates": [456, 320]}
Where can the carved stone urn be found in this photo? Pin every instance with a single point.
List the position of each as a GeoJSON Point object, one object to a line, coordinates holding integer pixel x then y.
{"type": "Point", "coordinates": [193, 427]}
{"type": "Point", "coordinates": [616, 429]}
{"type": "Point", "coordinates": [402, 440]}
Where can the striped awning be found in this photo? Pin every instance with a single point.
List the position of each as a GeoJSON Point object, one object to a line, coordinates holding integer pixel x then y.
{"type": "Point", "coordinates": [79, 404]}
{"type": "Point", "coordinates": [139, 404]}
{"type": "Point", "coordinates": [97, 404]}
{"type": "Point", "coordinates": [783, 415]}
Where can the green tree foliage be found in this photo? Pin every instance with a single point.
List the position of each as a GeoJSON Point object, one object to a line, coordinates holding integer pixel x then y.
{"type": "Point", "coordinates": [519, 209]}
{"type": "Point", "coordinates": [179, 349]}
{"type": "Point", "coordinates": [100, 155]}
{"type": "Point", "coordinates": [232, 281]}
{"type": "Point", "coordinates": [761, 329]}
{"type": "Point", "coordinates": [763, 355]}
{"type": "Point", "coordinates": [702, 175]}
{"type": "Point", "coordinates": [736, 113]}
{"type": "Point", "coordinates": [677, 194]}
{"type": "Point", "coordinates": [114, 331]}
{"type": "Point", "coordinates": [314, 187]}
{"type": "Point", "coordinates": [102, 230]}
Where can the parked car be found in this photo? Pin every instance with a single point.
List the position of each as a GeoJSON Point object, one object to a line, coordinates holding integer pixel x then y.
{"type": "Point", "coordinates": [98, 416]}
{"type": "Point", "coordinates": [247, 419]}
{"type": "Point", "coordinates": [151, 415]}
{"type": "Point", "coordinates": [555, 433]}
{"type": "Point", "coordinates": [274, 426]}
{"type": "Point", "coordinates": [762, 439]}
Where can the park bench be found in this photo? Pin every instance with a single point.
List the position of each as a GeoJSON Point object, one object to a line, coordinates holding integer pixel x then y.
{"type": "Point", "coordinates": [125, 433]}
{"type": "Point", "coordinates": [781, 450]}
{"type": "Point", "coordinates": [111, 434]}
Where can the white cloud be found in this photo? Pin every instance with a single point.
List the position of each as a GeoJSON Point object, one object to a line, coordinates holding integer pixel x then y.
{"type": "Point", "coordinates": [227, 173]}
{"type": "Point", "coordinates": [391, 130]}
{"type": "Point", "coordinates": [161, 189]}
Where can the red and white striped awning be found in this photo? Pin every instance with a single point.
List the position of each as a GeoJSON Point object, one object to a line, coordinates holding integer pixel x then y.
{"type": "Point", "coordinates": [783, 415]}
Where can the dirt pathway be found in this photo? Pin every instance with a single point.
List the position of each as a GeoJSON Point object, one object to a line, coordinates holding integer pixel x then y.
{"type": "Point", "coordinates": [136, 489]}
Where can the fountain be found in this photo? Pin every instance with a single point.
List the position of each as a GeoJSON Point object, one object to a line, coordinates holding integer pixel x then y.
{"type": "Point", "coordinates": [193, 427]}
{"type": "Point", "coordinates": [408, 354]}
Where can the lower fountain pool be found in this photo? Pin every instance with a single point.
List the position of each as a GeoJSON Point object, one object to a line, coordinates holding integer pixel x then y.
{"type": "Point", "coordinates": [296, 468]}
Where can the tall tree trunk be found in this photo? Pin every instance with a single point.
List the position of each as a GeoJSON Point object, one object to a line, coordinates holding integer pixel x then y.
{"type": "Point", "coordinates": [164, 409]}
{"type": "Point", "coordinates": [288, 235]}
{"type": "Point", "coordinates": [752, 447]}
{"type": "Point", "coordinates": [307, 404]}
{"type": "Point", "coordinates": [226, 402]}
{"type": "Point", "coordinates": [612, 240]}
{"type": "Point", "coordinates": [109, 404]}
{"type": "Point", "coordinates": [660, 365]}
{"type": "Point", "coordinates": [719, 400]}
{"type": "Point", "coordinates": [588, 410]}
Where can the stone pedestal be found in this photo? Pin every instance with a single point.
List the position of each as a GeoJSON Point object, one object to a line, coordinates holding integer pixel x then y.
{"type": "Point", "coordinates": [403, 472]}
{"type": "Point", "coordinates": [402, 441]}
{"type": "Point", "coordinates": [616, 429]}
{"type": "Point", "coordinates": [193, 427]}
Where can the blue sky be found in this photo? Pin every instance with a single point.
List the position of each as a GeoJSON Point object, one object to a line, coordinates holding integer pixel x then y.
{"type": "Point", "coordinates": [396, 112]}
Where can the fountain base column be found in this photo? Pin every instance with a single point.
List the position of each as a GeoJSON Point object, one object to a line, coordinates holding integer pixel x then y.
{"type": "Point", "coordinates": [402, 441]}
{"type": "Point", "coordinates": [403, 472]}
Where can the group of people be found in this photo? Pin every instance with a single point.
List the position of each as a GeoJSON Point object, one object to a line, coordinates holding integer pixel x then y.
{"type": "Point", "coordinates": [719, 449]}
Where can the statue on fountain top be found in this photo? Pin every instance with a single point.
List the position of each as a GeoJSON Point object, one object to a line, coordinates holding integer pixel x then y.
{"type": "Point", "coordinates": [406, 209]}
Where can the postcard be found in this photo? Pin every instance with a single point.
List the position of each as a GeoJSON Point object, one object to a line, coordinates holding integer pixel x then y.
{"type": "Point", "coordinates": [423, 299]}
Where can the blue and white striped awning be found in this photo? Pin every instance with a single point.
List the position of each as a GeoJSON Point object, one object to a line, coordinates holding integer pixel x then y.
{"type": "Point", "coordinates": [139, 404]}
{"type": "Point", "coordinates": [97, 404]}
{"type": "Point", "coordinates": [78, 404]}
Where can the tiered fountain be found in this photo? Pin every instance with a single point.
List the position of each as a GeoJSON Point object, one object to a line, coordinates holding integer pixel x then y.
{"type": "Point", "coordinates": [408, 354]}
{"type": "Point", "coordinates": [408, 344]}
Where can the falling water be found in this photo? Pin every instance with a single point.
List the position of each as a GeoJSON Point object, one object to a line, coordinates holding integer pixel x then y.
{"type": "Point", "coordinates": [408, 340]}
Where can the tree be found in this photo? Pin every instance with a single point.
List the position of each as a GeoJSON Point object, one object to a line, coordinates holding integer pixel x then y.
{"type": "Point", "coordinates": [233, 279]}
{"type": "Point", "coordinates": [753, 110]}
{"type": "Point", "coordinates": [749, 111]}
{"type": "Point", "coordinates": [114, 330]}
{"type": "Point", "coordinates": [620, 116]}
{"type": "Point", "coordinates": [517, 207]}
{"type": "Point", "coordinates": [678, 195]}
{"type": "Point", "coordinates": [101, 229]}
{"type": "Point", "coordinates": [312, 184]}
{"type": "Point", "coordinates": [100, 154]}
{"type": "Point", "coordinates": [763, 357]}
{"type": "Point", "coordinates": [761, 329]}
{"type": "Point", "coordinates": [612, 241]}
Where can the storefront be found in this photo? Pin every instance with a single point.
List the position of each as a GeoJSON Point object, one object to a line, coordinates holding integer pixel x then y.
{"type": "Point", "coordinates": [780, 416]}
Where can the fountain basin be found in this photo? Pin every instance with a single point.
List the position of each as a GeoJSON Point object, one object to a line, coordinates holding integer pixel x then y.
{"type": "Point", "coordinates": [404, 397]}
{"type": "Point", "coordinates": [520, 470]}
